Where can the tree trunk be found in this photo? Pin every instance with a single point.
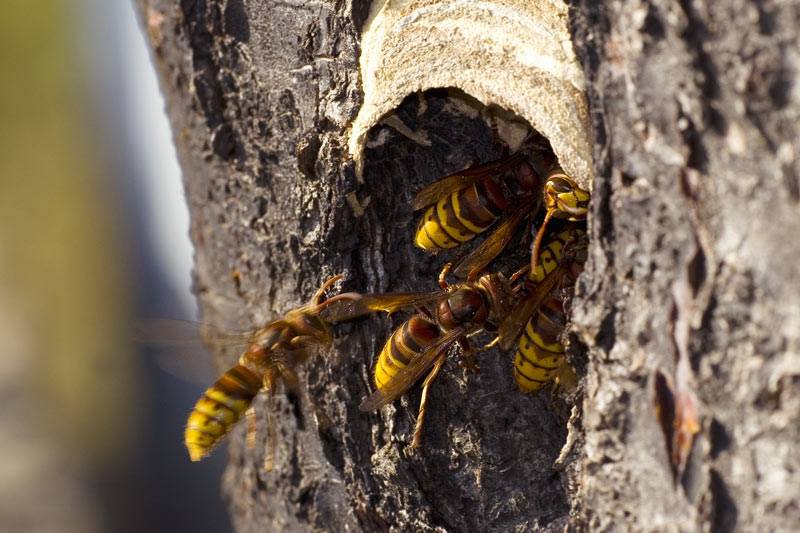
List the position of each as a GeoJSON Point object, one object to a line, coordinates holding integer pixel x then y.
{"type": "Point", "coordinates": [694, 252]}
{"type": "Point", "coordinates": [689, 300]}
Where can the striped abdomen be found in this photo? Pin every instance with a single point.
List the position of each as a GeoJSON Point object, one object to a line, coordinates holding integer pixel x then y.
{"type": "Point", "coordinates": [459, 216]}
{"type": "Point", "coordinates": [223, 404]}
{"type": "Point", "coordinates": [407, 341]}
{"type": "Point", "coordinates": [540, 353]}
{"type": "Point", "coordinates": [550, 256]}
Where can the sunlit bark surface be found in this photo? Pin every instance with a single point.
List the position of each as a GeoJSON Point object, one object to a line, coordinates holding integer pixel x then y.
{"type": "Point", "coordinates": [689, 303]}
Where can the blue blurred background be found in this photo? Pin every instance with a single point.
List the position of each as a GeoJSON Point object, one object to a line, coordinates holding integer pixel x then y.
{"type": "Point", "coordinates": [93, 237]}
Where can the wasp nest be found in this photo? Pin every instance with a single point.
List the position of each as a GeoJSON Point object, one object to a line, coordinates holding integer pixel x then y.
{"type": "Point", "coordinates": [515, 54]}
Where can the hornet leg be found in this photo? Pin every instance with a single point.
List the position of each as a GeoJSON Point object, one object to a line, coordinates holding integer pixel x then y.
{"type": "Point", "coordinates": [418, 428]}
{"type": "Point", "coordinates": [272, 435]}
{"type": "Point", "coordinates": [467, 359]}
{"type": "Point", "coordinates": [252, 429]}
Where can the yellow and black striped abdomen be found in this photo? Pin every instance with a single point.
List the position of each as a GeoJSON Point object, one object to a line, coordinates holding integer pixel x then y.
{"type": "Point", "coordinates": [222, 405]}
{"type": "Point", "coordinates": [550, 256]}
{"type": "Point", "coordinates": [459, 216]}
{"type": "Point", "coordinates": [540, 353]}
{"type": "Point", "coordinates": [407, 341]}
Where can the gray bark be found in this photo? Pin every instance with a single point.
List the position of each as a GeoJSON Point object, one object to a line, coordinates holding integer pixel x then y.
{"type": "Point", "coordinates": [695, 112]}
{"type": "Point", "coordinates": [695, 107]}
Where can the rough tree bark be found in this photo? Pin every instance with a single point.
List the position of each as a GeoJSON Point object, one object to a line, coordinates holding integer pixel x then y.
{"type": "Point", "coordinates": [693, 259]}
{"type": "Point", "coordinates": [696, 108]}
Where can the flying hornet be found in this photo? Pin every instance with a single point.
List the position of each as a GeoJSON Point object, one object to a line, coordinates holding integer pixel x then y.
{"type": "Point", "coordinates": [421, 344]}
{"type": "Point", "coordinates": [538, 319]}
{"type": "Point", "coordinates": [274, 352]}
{"type": "Point", "coordinates": [466, 203]}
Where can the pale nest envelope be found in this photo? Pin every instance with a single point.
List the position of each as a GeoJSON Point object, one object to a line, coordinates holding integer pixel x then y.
{"type": "Point", "coordinates": [515, 54]}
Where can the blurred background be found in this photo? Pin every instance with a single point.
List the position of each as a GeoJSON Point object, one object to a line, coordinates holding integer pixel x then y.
{"type": "Point", "coordinates": [93, 237]}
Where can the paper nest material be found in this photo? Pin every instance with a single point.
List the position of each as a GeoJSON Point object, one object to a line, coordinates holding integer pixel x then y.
{"type": "Point", "coordinates": [515, 54]}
